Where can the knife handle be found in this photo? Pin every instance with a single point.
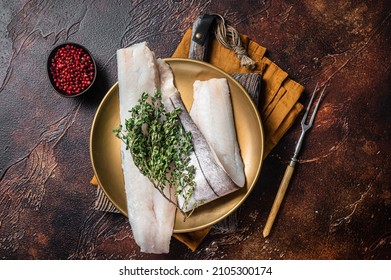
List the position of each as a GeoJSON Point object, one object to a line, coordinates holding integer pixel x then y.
{"type": "Point", "coordinates": [279, 197]}
{"type": "Point", "coordinates": [201, 37]}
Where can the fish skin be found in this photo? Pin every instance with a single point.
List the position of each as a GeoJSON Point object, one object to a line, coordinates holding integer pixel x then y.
{"type": "Point", "coordinates": [215, 175]}
{"type": "Point", "coordinates": [151, 216]}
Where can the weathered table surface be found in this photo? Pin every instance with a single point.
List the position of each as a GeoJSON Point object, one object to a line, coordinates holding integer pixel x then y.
{"type": "Point", "coordinates": [338, 205]}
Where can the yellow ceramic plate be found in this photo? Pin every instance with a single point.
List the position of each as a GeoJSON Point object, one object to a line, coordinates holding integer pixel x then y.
{"type": "Point", "coordinates": [105, 147]}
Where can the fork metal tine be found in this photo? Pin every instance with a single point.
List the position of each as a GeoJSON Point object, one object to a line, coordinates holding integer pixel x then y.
{"type": "Point", "coordinates": [309, 106]}
{"type": "Point", "coordinates": [305, 127]}
{"type": "Point", "coordinates": [316, 108]}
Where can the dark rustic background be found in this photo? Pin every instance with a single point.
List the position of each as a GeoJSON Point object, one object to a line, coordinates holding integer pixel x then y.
{"type": "Point", "coordinates": [338, 205]}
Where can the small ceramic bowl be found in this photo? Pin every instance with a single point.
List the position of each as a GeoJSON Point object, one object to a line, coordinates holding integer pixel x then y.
{"type": "Point", "coordinates": [71, 69]}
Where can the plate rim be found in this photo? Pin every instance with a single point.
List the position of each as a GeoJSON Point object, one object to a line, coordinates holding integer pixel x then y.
{"type": "Point", "coordinates": [259, 167]}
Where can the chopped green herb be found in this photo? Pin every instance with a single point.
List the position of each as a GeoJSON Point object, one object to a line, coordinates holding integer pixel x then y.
{"type": "Point", "coordinates": [159, 146]}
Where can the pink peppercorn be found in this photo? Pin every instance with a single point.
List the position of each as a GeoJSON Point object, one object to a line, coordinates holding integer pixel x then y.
{"type": "Point", "coordinates": [72, 69]}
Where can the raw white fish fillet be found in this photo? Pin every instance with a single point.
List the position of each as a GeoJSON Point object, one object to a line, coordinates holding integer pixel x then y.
{"type": "Point", "coordinates": [212, 112]}
{"type": "Point", "coordinates": [211, 180]}
{"type": "Point", "coordinates": [167, 87]}
{"type": "Point", "coordinates": [150, 215]}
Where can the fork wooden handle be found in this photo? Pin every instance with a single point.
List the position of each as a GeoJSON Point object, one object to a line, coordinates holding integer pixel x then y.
{"type": "Point", "coordinates": [279, 197]}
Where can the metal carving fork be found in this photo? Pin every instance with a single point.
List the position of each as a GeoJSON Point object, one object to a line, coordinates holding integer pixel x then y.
{"type": "Point", "coordinates": [289, 170]}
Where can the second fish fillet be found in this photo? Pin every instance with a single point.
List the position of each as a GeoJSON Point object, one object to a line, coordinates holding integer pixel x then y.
{"type": "Point", "coordinates": [212, 112]}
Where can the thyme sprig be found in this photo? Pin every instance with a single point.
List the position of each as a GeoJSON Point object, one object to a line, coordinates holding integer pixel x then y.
{"type": "Point", "coordinates": [160, 147]}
